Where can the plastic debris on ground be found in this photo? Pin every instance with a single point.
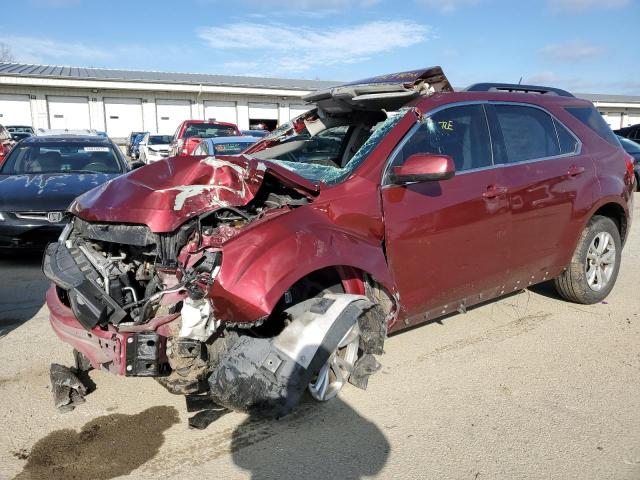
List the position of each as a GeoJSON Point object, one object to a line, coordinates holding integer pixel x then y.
{"type": "Point", "coordinates": [68, 390]}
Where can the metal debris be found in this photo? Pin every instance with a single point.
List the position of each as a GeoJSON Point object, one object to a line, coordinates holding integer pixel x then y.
{"type": "Point", "coordinates": [68, 390]}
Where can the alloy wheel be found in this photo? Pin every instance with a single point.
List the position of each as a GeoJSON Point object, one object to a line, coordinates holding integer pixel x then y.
{"type": "Point", "coordinates": [601, 260]}
{"type": "Point", "coordinates": [335, 373]}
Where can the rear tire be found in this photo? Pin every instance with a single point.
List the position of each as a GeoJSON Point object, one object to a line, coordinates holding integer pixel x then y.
{"type": "Point", "coordinates": [594, 267]}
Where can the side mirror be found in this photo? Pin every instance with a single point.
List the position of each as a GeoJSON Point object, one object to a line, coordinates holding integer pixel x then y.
{"type": "Point", "coordinates": [137, 164]}
{"type": "Point", "coordinates": [424, 167]}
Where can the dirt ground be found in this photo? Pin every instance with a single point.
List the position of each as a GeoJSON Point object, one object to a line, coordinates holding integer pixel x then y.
{"type": "Point", "coordinates": [525, 387]}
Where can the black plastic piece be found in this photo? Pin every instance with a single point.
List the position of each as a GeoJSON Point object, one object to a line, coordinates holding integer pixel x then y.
{"type": "Point", "coordinates": [70, 270]}
{"type": "Point", "coordinates": [143, 355]}
{"type": "Point", "coordinates": [516, 87]}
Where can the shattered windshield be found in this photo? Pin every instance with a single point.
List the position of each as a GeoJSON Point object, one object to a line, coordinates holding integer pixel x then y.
{"type": "Point", "coordinates": [332, 155]}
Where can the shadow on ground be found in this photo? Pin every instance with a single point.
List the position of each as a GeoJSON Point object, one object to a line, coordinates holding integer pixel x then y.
{"type": "Point", "coordinates": [23, 288]}
{"type": "Point", "coordinates": [106, 447]}
{"type": "Point", "coordinates": [329, 440]}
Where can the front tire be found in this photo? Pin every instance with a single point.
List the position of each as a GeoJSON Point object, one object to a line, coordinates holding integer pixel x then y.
{"type": "Point", "coordinates": [594, 267]}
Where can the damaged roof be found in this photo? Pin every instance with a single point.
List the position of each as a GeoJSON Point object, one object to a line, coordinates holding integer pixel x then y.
{"type": "Point", "coordinates": [88, 73]}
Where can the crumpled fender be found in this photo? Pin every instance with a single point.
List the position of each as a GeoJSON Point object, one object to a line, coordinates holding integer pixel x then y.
{"type": "Point", "coordinates": [259, 265]}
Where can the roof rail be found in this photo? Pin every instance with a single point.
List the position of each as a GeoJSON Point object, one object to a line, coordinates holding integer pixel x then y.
{"type": "Point", "coordinates": [513, 87]}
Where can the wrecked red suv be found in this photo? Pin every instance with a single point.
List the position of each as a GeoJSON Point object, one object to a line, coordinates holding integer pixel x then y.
{"type": "Point", "coordinates": [395, 201]}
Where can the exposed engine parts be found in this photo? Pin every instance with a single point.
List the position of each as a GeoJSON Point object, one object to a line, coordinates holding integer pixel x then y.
{"type": "Point", "coordinates": [149, 297]}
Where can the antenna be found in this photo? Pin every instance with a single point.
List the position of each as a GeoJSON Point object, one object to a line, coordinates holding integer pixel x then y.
{"type": "Point", "coordinates": [520, 81]}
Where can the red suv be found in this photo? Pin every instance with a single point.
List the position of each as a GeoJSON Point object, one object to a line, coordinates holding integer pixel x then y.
{"type": "Point", "coordinates": [191, 132]}
{"type": "Point", "coordinates": [6, 143]}
{"type": "Point", "coordinates": [256, 277]}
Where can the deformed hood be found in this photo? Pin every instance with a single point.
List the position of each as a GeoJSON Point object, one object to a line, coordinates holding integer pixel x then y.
{"type": "Point", "coordinates": [164, 194]}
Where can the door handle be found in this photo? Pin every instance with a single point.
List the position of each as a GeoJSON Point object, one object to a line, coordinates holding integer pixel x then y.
{"type": "Point", "coordinates": [574, 171]}
{"type": "Point", "coordinates": [494, 191]}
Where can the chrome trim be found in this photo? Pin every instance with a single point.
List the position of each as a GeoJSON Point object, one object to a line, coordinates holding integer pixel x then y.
{"type": "Point", "coordinates": [31, 215]}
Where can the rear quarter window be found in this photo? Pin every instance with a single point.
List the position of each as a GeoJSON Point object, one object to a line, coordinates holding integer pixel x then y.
{"type": "Point", "coordinates": [568, 143]}
{"type": "Point", "coordinates": [592, 119]}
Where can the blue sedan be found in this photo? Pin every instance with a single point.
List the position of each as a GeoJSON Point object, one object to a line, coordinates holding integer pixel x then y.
{"type": "Point", "coordinates": [224, 145]}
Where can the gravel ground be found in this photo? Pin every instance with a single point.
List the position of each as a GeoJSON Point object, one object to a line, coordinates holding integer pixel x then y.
{"type": "Point", "coordinates": [525, 387]}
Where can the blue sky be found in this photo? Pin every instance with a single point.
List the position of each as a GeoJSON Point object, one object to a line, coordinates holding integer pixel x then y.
{"type": "Point", "coordinates": [582, 45]}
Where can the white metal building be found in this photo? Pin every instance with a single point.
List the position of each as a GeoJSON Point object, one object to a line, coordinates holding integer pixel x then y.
{"type": "Point", "coordinates": [122, 101]}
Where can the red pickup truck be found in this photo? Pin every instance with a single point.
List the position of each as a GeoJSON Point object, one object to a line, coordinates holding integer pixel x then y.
{"type": "Point", "coordinates": [191, 132]}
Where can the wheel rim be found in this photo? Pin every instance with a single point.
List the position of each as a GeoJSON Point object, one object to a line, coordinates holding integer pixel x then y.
{"type": "Point", "coordinates": [601, 261]}
{"type": "Point", "coordinates": [335, 373]}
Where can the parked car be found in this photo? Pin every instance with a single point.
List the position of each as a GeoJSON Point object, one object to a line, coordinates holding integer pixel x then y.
{"type": "Point", "coordinates": [135, 145]}
{"type": "Point", "coordinates": [191, 132]}
{"type": "Point", "coordinates": [47, 132]}
{"type": "Point", "coordinates": [40, 178]}
{"type": "Point", "coordinates": [20, 129]}
{"type": "Point", "coordinates": [17, 136]}
{"type": "Point", "coordinates": [255, 133]}
{"type": "Point", "coordinates": [224, 145]}
{"type": "Point", "coordinates": [6, 143]}
{"type": "Point", "coordinates": [632, 132]}
{"type": "Point", "coordinates": [633, 149]}
{"type": "Point", "coordinates": [258, 276]}
{"type": "Point", "coordinates": [130, 139]}
{"type": "Point", "coordinates": [154, 147]}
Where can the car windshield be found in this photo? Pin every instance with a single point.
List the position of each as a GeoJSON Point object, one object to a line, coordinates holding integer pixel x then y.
{"type": "Point", "coordinates": [61, 157]}
{"type": "Point", "coordinates": [208, 130]}
{"type": "Point", "coordinates": [232, 148]}
{"type": "Point", "coordinates": [629, 145]}
{"type": "Point", "coordinates": [334, 153]}
{"type": "Point", "coordinates": [160, 139]}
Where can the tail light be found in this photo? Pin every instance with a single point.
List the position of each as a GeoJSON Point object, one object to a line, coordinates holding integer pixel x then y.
{"type": "Point", "coordinates": [629, 161]}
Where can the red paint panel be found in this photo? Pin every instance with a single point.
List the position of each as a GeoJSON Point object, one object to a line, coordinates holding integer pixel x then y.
{"type": "Point", "coordinates": [445, 240]}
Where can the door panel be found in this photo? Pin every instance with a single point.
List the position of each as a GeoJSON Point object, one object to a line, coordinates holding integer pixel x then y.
{"type": "Point", "coordinates": [542, 191]}
{"type": "Point", "coordinates": [15, 110]}
{"type": "Point", "coordinates": [123, 116]}
{"type": "Point", "coordinates": [220, 111]}
{"type": "Point", "coordinates": [68, 112]}
{"type": "Point", "coordinates": [171, 113]}
{"type": "Point", "coordinates": [446, 240]}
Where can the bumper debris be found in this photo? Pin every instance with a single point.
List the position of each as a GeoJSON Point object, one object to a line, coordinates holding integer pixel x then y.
{"type": "Point", "coordinates": [68, 390]}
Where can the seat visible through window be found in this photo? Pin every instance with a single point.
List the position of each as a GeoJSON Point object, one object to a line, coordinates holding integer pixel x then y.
{"type": "Point", "coordinates": [460, 132]}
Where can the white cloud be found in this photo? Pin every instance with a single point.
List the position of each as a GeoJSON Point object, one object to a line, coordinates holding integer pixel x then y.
{"type": "Point", "coordinates": [297, 49]}
{"type": "Point", "coordinates": [42, 50]}
{"type": "Point", "coordinates": [447, 6]}
{"type": "Point", "coordinates": [574, 6]}
{"type": "Point", "coordinates": [572, 51]}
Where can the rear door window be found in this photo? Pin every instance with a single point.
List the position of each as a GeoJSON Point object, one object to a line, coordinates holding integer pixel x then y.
{"type": "Point", "coordinates": [460, 132]}
{"type": "Point", "coordinates": [528, 132]}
